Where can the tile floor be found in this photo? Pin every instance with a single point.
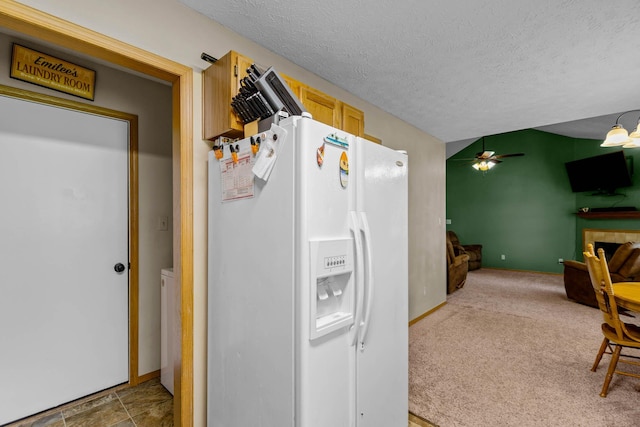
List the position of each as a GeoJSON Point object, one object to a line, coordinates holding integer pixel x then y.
{"type": "Point", "coordinates": [146, 405]}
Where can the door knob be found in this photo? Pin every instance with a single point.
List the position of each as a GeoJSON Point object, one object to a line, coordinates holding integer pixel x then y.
{"type": "Point", "coordinates": [119, 267]}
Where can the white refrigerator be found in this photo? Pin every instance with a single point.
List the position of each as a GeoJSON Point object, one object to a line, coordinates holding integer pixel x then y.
{"type": "Point", "coordinates": [307, 281]}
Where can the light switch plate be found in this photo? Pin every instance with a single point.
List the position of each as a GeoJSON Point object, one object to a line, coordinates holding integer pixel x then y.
{"type": "Point", "coordinates": [163, 223]}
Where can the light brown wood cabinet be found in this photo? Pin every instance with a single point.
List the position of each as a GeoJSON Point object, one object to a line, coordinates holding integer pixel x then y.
{"type": "Point", "coordinates": [322, 107]}
{"type": "Point", "coordinates": [329, 110]}
{"type": "Point", "coordinates": [221, 82]}
{"type": "Point", "coordinates": [372, 139]}
{"type": "Point", "coordinates": [293, 84]}
{"type": "Point", "coordinates": [352, 120]}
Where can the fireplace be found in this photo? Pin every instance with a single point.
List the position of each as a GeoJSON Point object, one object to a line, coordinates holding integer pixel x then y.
{"type": "Point", "coordinates": [608, 247]}
{"type": "Point", "coordinates": [609, 240]}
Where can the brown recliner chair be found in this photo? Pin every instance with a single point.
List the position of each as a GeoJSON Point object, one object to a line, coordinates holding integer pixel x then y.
{"type": "Point", "coordinates": [624, 266]}
{"type": "Point", "coordinates": [474, 251]}
{"type": "Point", "coordinates": [457, 267]}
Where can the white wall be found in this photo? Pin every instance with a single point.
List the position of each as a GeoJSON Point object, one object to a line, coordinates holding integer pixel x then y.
{"type": "Point", "coordinates": [151, 102]}
{"type": "Point", "coordinates": [170, 29]}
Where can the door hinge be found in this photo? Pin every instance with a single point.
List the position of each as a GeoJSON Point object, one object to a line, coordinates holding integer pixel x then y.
{"type": "Point", "coordinates": [235, 70]}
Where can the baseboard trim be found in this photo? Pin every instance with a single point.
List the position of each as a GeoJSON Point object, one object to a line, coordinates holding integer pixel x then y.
{"type": "Point", "coordinates": [418, 420]}
{"type": "Point", "coordinates": [422, 316]}
{"type": "Point", "coordinates": [148, 376]}
{"type": "Point", "coordinates": [523, 271]}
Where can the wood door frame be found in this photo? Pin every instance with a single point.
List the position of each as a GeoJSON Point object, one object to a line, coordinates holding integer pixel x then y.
{"type": "Point", "coordinates": [132, 202]}
{"type": "Point", "coordinates": [48, 28]}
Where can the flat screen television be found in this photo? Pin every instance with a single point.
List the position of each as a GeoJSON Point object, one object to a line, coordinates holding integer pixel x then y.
{"type": "Point", "coordinates": [602, 174]}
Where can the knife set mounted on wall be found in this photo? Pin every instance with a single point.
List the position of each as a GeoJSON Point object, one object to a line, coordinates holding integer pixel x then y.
{"type": "Point", "coordinates": [262, 95]}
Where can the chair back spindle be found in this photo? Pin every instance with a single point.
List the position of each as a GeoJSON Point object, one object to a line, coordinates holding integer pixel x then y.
{"type": "Point", "coordinates": [603, 287]}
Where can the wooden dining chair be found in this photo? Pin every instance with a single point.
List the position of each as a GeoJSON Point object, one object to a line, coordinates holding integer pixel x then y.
{"type": "Point", "coordinates": [617, 334]}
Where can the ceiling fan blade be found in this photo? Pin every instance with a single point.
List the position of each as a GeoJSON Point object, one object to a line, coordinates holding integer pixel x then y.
{"type": "Point", "coordinates": [485, 154]}
{"type": "Point", "coordinates": [509, 155]}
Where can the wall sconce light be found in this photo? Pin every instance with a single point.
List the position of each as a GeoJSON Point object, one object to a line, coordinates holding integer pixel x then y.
{"type": "Point", "coordinates": [618, 135]}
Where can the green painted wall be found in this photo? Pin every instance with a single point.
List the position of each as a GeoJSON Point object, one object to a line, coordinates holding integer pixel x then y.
{"type": "Point", "coordinates": [523, 208]}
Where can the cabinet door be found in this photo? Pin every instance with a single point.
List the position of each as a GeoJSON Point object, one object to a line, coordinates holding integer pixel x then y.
{"type": "Point", "coordinates": [221, 82]}
{"type": "Point", "coordinates": [372, 139]}
{"type": "Point", "coordinates": [352, 120]}
{"type": "Point", "coordinates": [242, 64]}
{"type": "Point", "coordinates": [323, 108]}
{"type": "Point", "coordinates": [293, 84]}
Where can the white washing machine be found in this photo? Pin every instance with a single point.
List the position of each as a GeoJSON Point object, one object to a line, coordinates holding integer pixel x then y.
{"type": "Point", "coordinates": [167, 325]}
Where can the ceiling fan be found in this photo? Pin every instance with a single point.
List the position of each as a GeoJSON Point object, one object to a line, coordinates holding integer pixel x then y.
{"type": "Point", "coordinates": [485, 160]}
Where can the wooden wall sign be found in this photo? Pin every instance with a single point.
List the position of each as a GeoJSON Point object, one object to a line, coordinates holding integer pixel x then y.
{"type": "Point", "coordinates": [48, 71]}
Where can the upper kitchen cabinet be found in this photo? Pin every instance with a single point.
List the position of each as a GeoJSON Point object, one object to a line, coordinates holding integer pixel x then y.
{"type": "Point", "coordinates": [352, 120]}
{"type": "Point", "coordinates": [322, 107]}
{"type": "Point", "coordinates": [293, 84]}
{"type": "Point", "coordinates": [372, 139]}
{"type": "Point", "coordinates": [331, 111]}
{"type": "Point", "coordinates": [221, 82]}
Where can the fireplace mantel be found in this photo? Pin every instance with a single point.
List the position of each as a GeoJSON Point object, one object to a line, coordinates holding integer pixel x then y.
{"type": "Point", "coordinates": [610, 215]}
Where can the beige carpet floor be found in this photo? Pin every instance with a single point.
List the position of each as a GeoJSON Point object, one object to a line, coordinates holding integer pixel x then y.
{"type": "Point", "coordinates": [509, 349]}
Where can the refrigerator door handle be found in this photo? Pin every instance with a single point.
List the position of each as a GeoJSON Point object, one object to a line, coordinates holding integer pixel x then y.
{"type": "Point", "coordinates": [368, 283]}
{"type": "Point", "coordinates": [359, 279]}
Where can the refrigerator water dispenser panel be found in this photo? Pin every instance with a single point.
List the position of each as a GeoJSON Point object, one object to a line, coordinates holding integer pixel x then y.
{"type": "Point", "coordinates": [332, 287]}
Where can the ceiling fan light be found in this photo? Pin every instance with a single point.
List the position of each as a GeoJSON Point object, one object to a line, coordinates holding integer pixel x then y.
{"type": "Point", "coordinates": [617, 136]}
{"type": "Point", "coordinates": [483, 165]}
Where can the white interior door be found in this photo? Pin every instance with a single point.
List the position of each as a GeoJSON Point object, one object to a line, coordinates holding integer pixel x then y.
{"type": "Point", "coordinates": [63, 228]}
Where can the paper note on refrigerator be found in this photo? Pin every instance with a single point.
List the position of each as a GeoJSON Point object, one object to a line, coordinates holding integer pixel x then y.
{"type": "Point", "coordinates": [272, 141]}
{"type": "Point", "coordinates": [237, 177]}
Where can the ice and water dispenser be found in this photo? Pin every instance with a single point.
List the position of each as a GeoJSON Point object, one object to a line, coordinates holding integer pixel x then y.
{"type": "Point", "coordinates": [332, 286]}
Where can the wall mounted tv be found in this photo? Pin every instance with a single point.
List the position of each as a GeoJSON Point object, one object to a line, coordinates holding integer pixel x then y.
{"type": "Point", "coordinates": [602, 174]}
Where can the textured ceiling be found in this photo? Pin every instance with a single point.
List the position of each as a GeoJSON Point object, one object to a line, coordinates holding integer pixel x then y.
{"type": "Point", "coordinates": [460, 69]}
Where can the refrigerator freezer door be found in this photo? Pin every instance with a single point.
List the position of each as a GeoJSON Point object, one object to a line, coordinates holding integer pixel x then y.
{"type": "Point", "coordinates": [251, 293]}
{"type": "Point", "coordinates": [382, 354]}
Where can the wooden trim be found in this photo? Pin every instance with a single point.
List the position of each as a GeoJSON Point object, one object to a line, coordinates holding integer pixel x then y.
{"type": "Point", "coordinates": [132, 119]}
{"type": "Point", "coordinates": [418, 421]}
{"type": "Point", "coordinates": [422, 316]}
{"type": "Point", "coordinates": [134, 259]}
{"type": "Point", "coordinates": [67, 103]}
{"type": "Point", "coordinates": [610, 215]}
{"type": "Point", "coordinates": [42, 26]}
{"type": "Point", "coordinates": [148, 376]}
{"type": "Point", "coordinates": [183, 123]}
{"type": "Point", "coordinates": [523, 271]}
